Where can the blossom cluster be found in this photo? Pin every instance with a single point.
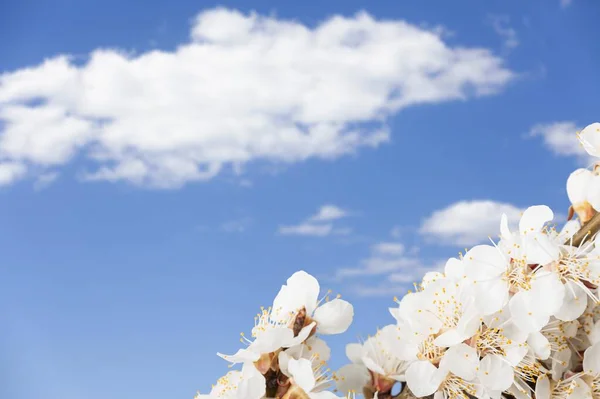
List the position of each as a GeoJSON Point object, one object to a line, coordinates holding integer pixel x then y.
{"type": "Point", "coordinates": [516, 318]}
{"type": "Point", "coordinates": [285, 358]}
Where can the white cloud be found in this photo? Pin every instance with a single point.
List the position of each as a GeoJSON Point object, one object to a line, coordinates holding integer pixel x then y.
{"type": "Point", "coordinates": [391, 248]}
{"type": "Point", "coordinates": [329, 212]}
{"type": "Point", "coordinates": [11, 171]}
{"type": "Point", "coordinates": [560, 138]}
{"type": "Point", "coordinates": [467, 223]}
{"type": "Point", "coordinates": [396, 282]}
{"type": "Point", "coordinates": [501, 25]}
{"type": "Point", "coordinates": [319, 224]}
{"type": "Point", "coordinates": [236, 226]}
{"type": "Point", "coordinates": [385, 258]}
{"type": "Point", "coordinates": [244, 88]}
{"type": "Point", "coordinates": [307, 229]}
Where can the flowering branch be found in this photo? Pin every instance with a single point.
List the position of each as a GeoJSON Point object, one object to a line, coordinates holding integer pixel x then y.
{"type": "Point", "coordinates": [588, 231]}
{"type": "Point", "coordinates": [516, 319]}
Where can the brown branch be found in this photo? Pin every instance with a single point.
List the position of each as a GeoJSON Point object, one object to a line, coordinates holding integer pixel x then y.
{"type": "Point", "coordinates": [586, 232]}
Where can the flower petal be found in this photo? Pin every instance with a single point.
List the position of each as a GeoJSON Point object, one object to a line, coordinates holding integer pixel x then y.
{"type": "Point", "coordinates": [495, 373]}
{"type": "Point", "coordinates": [534, 218]}
{"type": "Point", "coordinates": [590, 139]}
{"type": "Point", "coordinates": [352, 377]}
{"type": "Point", "coordinates": [462, 360]}
{"type": "Point", "coordinates": [574, 304]}
{"type": "Point", "coordinates": [302, 373]}
{"type": "Point", "coordinates": [301, 291]}
{"type": "Point", "coordinates": [539, 344]}
{"type": "Point", "coordinates": [354, 352]}
{"type": "Point", "coordinates": [542, 387]}
{"type": "Point", "coordinates": [253, 384]}
{"type": "Point", "coordinates": [577, 185]}
{"type": "Point", "coordinates": [423, 378]}
{"type": "Point", "coordinates": [591, 360]}
{"type": "Point", "coordinates": [334, 317]}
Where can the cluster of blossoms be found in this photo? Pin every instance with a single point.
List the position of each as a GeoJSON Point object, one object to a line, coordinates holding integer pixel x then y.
{"type": "Point", "coordinates": [285, 358]}
{"type": "Point", "coordinates": [518, 318]}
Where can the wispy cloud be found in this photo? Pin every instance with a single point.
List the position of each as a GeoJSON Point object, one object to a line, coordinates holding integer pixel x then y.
{"type": "Point", "coordinates": [237, 225]}
{"type": "Point", "coordinates": [501, 25]}
{"type": "Point", "coordinates": [565, 3]}
{"type": "Point", "coordinates": [45, 180]}
{"type": "Point", "coordinates": [329, 212]}
{"type": "Point", "coordinates": [560, 138]}
{"type": "Point", "coordinates": [240, 89]}
{"type": "Point", "coordinates": [320, 224]}
{"type": "Point", "coordinates": [396, 282]}
{"type": "Point", "coordinates": [466, 223]}
{"type": "Point", "coordinates": [385, 258]}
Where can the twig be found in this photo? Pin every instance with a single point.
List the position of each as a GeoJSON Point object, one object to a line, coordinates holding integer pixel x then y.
{"type": "Point", "coordinates": [586, 232]}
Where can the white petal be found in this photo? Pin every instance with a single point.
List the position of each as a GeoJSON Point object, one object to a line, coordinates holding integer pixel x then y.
{"type": "Point", "coordinates": [540, 249]}
{"type": "Point", "coordinates": [539, 344]}
{"type": "Point", "coordinates": [371, 365]}
{"type": "Point", "coordinates": [334, 317]}
{"type": "Point", "coordinates": [594, 335]}
{"type": "Point", "coordinates": [593, 193]}
{"type": "Point", "coordinates": [491, 295]}
{"type": "Point", "coordinates": [253, 384]}
{"type": "Point", "coordinates": [591, 360]}
{"type": "Point", "coordinates": [590, 139]}
{"type": "Point", "coordinates": [317, 347]}
{"type": "Point", "coordinates": [423, 378]}
{"type": "Point", "coordinates": [449, 338]}
{"type": "Point", "coordinates": [577, 185]}
{"type": "Point", "coordinates": [542, 387]}
{"type": "Point", "coordinates": [352, 377]}
{"type": "Point", "coordinates": [548, 286]}
{"type": "Point", "coordinates": [580, 390]}
{"type": "Point", "coordinates": [462, 360]}
{"type": "Point", "coordinates": [575, 302]}
{"type": "Point", "coordinates": [354, 352]}
{"type": "Point", "coordinates": [284, 360]}
{"type": "Point", "coordinates": [505, 233]}
{"type": "Point", "coordinates": [301, 337]}
{"type": "Point", "coordinates": [302, 373]}
{"type": "Point", "coordinates": [302, 290]}
{"type": "Point", "coordinates": [495, 373]}
{"type": "Point", "coordinates": [526, 312]}
{"type": "Point", "coordinates": [534, 218]}
{"type": "Point", "coordinates": [560, 362]}
{"type": "Point", "coordinates": [430, 277]}
{"type": "Point", "coordinates": [454, 269]}
{"type": "Point", "coordinates": [568, 230]}
{"type": "Point", "coordinates": [515, 353]}
{"type": "Point", "coordinates": [241, 356]}
{"type": "Point", "coordinates": [273, 339]}
{"type": "Point", "coordinates": [484, 261]}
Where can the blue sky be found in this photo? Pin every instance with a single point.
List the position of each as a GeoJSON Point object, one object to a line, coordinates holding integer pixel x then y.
{"type": "Point", "coordinates": [154, 198]}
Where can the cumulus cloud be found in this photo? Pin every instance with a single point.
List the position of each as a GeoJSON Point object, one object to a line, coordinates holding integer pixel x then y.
{"type": "Point", "coordinates": [319, 224]}
{"type": "Point", "coordinates": [244, 88]}
{"type": "Point", "coordinates": [467, 223]}
{"type": "Point", "coordinates": [560, 138]}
